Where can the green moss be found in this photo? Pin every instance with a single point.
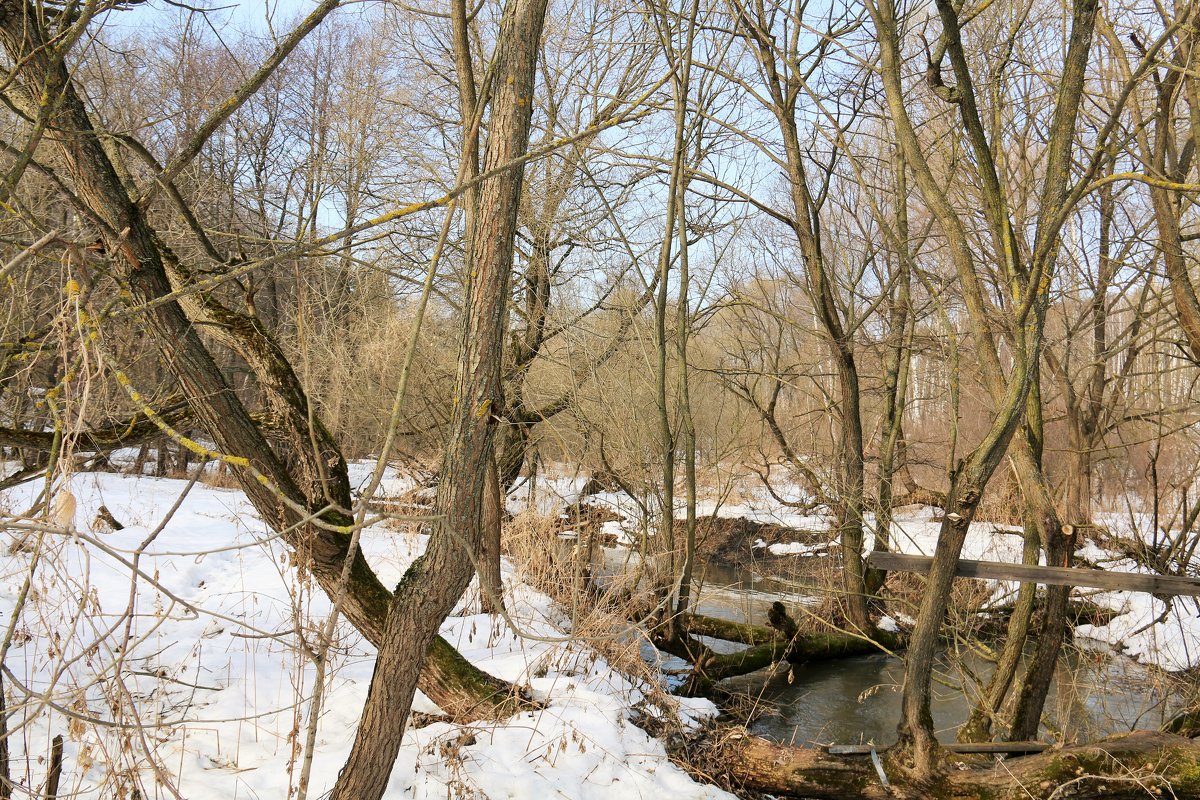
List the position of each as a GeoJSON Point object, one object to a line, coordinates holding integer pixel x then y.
{"type": "Point", "coordinates": [1070, 766]}
{"type": "Point", "coordinates": [1185, 775]}
{"type": "Point", "coordinates": [1181, 768]}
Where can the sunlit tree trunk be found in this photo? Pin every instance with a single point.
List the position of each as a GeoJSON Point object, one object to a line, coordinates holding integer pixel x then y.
{"type": "Point", "coordinates": [1028, 286]}
{"type": "Point", "coordinates": [434, 583]}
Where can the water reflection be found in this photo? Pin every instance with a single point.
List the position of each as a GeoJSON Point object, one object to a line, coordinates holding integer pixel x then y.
{"type": "Point", "coordinates": [858, 699]}
{"type": "Point", "coordinates": [855, 700]}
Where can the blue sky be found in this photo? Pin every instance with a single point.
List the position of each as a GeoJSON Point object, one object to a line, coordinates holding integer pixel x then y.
{"type": "Point", "coordinates": [241, 14]}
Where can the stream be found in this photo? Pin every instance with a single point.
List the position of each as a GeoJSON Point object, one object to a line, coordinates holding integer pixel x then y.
{"type": "Point", "coordinates": [857, 700]}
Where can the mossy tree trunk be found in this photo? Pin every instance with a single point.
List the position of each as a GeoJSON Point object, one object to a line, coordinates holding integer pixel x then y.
{"type": "Point", "coordinates": [297, 481]}
{"type": "Point", "coordinates": [1131, 766]}
{"type": "Point", "coordinates": [1027, 269]}
{"type": "Point", "coordinates": [781, 641]}
{"type": "Point", "coordinates": [433, 584]}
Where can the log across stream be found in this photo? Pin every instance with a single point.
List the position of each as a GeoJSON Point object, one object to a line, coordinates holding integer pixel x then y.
{"type": "Point", "coordinates": [856, 699]}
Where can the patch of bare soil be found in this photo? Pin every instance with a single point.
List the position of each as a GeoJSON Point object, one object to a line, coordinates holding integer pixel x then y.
{"type": "Point", "coordinates": [587, 519]}
{"type": "Point", "coordinates": [730, 541]}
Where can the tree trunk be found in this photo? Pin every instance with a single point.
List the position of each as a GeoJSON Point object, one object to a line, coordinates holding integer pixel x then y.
{"type": "Point", "coordinates": [435, 581]}
{"type": "Point", "coordinates": [1130, 766]}
{"type": "Point", "coordinates": [784, 82]}
{"type": "Point", "coordinates": [917, 749]}
{"type": "Point", "coordinates": [491, 586]}
{"type": "Point", "coordinates": [284, 491]}
{"type": "Point", "coordinates": [1059, 543]}
{"type": "Point", "coordinates": [895, 382]}
{"type": "Point", "coordinates": [768, 645]}
{"type": "Point", "coordinates": [978, 727]}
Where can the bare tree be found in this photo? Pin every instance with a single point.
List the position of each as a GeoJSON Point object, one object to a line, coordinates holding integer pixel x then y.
{"type": "Point", "coordinates": [437, 579]}
{"type": "Point", "coordinates": [297, 479]}
{"type": "Point", "coordinates": [1026, 271]}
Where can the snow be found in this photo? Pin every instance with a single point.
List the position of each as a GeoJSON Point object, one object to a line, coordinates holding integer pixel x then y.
{"type": "Point", "coordinates": [792, 548]}
{"type": "Point", "coordinates": [1145, 629]}
{"type": "Point", "coordinates": [200, 661]}
{"type": "Point", "coordinates": [391, 484]}
{"type": "Point", "coordinates": [625, 532]}
{"type": "Point", "coordinates": [1150, 630]}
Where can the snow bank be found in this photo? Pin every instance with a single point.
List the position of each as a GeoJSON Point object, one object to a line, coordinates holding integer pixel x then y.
{"type": "Point", "coordinates": [200, 663]}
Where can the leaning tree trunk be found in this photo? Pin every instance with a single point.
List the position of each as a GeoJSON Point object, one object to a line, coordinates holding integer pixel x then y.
{"type": "Point", "coordinates": [435, 581]}
{"type": "Point", "coordinates": [917, 746]}
{"type": "Point", "coordinates": [1058, 541]}
{"type": "Point", "coordinates": [916, 738]}
{"type": "Point", "coordinates": [978, 727]}
{"type": "Point", "coordinates": [1029, 298]}
{"type": "Point", "coordinates": [287, 490]}
{"type": "Point", "coordinates": [1043, 527]}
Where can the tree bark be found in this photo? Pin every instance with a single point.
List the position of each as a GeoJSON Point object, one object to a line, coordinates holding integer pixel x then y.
{"type": "Point", "coordinates": [491, 586]}
{"type": "Point", "coordinates": [301, 481]}
{"type": "Point", "coordinates": [1043, 524]}
{"type": "Point", "coordinates": [1169, 159]}
{"type": "Point", "coordinates": [901, 324]}
{"type": "Point", "coordinates": [436, 580]}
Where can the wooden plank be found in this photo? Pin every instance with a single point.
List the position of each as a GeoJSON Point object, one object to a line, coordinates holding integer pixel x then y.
{"type": "Point", "coordinates": [953, 747]}
{"type": "Point", "coordinates": [850, 750]}
{"type": "Point", "coordinates": [1058, 576]}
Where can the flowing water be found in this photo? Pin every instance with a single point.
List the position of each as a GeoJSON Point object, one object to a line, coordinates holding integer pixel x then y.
{"type": "Point", "coordinates": [855, 700]}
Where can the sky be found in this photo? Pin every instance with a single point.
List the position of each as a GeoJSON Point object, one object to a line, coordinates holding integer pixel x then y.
{"type": "Point", "coordinates": [241, 14]}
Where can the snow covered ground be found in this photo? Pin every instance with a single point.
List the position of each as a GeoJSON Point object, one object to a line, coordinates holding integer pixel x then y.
{"type": "Point", "coordinates": [190, 679]}
{"type": "Point", "coordinates": [1145, 628]}
{"type": "Point", "coordinates": [1149, 629]}
{"type": "Point", "coordinates": [171, 654]}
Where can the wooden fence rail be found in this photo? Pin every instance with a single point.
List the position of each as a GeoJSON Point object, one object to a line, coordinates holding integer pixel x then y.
{"type": "Point", "coordinates": [1058, 576]}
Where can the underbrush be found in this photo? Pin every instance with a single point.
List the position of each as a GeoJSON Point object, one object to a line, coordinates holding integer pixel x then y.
{"type": "Point", "coordinates": [600, 609]}
{"type": "Point", "coordinates": [603, 610]}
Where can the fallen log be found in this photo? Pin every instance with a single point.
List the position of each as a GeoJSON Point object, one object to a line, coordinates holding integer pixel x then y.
{"type": "Point", "coordinates": [1135, 765]}
{"type": "Point", "coordinates": [744, 762]}
{"type": "Point", "coordinates": [781, 641]}
{"type": "Point", "coordinates": [107, 436]}
{"type": "Point", "coordinates": [994, 620]}
{"type": "Point", "coordinates": [1185, 723]}
{"type": "Point", "coordinates": [730, 631]}
{"type": "Point", "coordinates": [802, 647]}
{"type": "Point", "coordinates": [709, 666]}
{"type": "Point", "coordinates": [1004, 748]}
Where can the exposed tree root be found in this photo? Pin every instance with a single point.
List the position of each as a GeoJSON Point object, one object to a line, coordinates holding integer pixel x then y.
{"type": "Point", "coordinates": [1136, 765]}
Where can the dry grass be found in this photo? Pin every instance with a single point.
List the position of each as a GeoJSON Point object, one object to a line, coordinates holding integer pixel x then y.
{"type": "Point", "coordinates": [1001, 503]}
{"type": "Point", "coordinates": [218, 476]}
{"type": "Point", "coordinates": [603, 609]}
